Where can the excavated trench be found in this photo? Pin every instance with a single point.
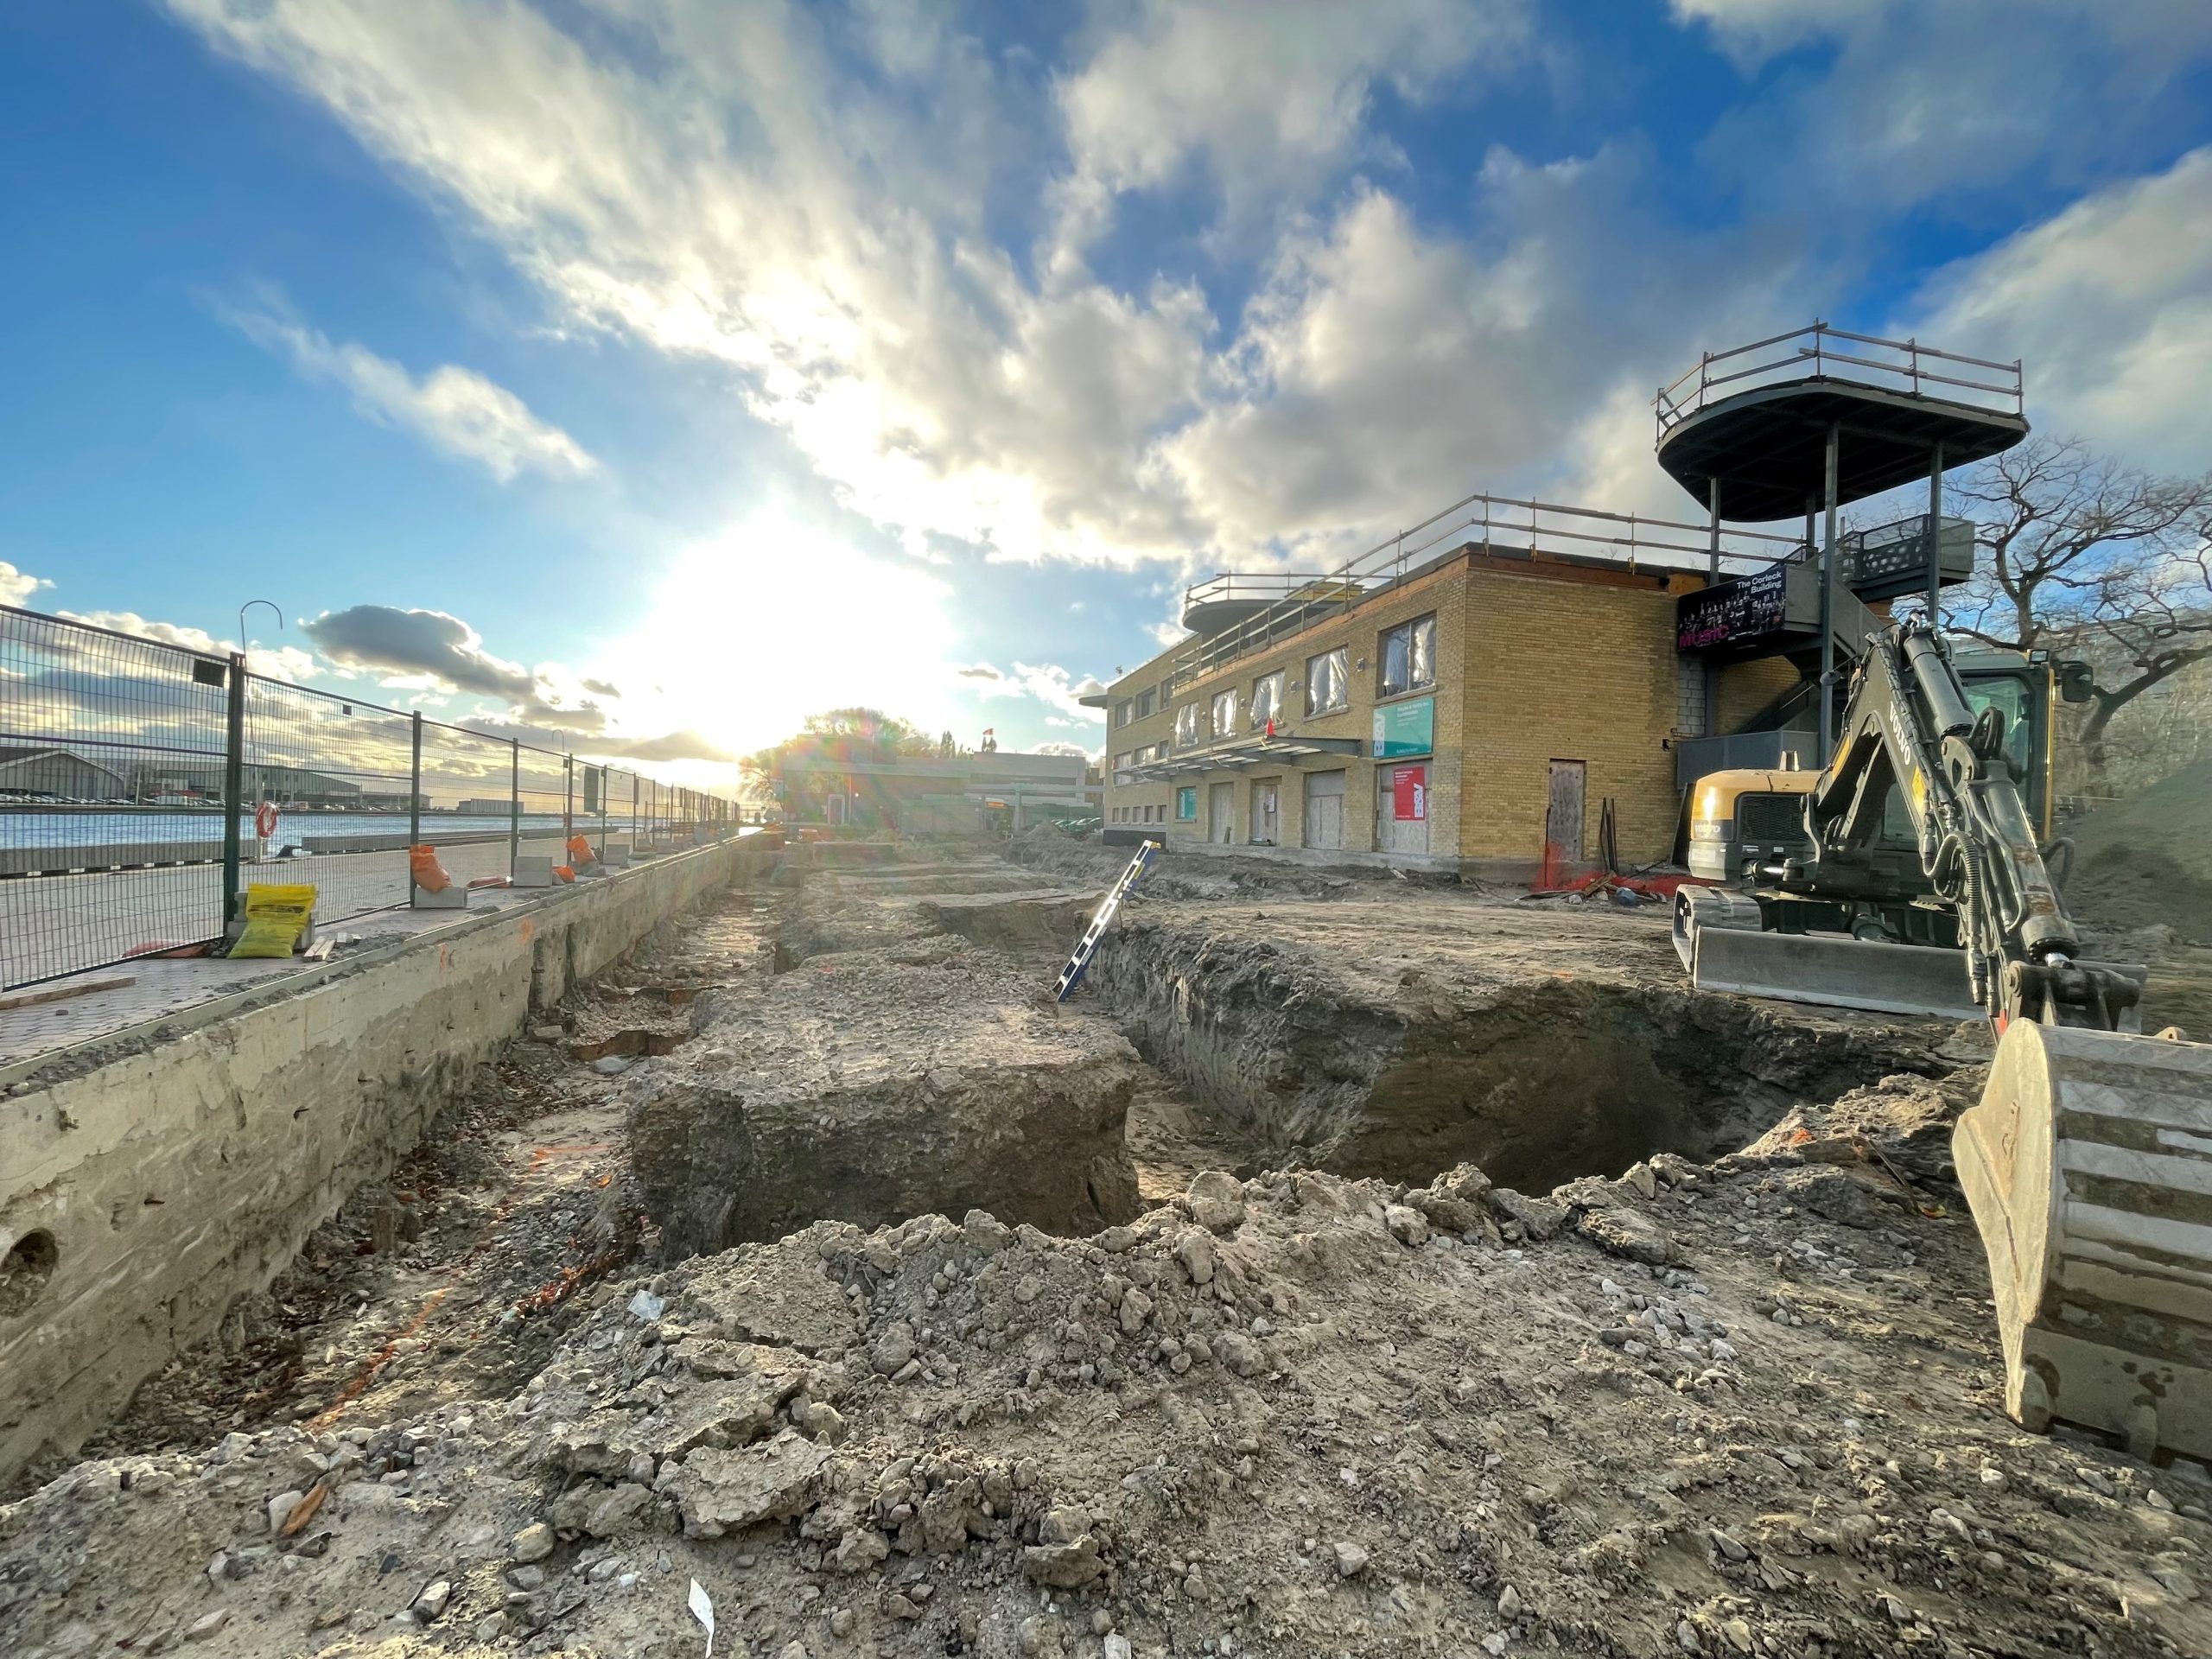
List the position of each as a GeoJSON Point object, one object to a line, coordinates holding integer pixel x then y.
{"type": "Point", "coordinates": [952, 1080]}
{"type": "Point", "coordinates": [1538, 1081]}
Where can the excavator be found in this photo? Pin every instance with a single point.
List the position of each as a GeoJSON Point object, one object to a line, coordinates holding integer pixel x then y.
{"type": "Point", "coordinates": [2088, 1160]}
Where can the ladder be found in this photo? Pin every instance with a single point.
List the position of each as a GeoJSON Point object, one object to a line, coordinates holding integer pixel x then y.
{"type": "Point", "coordinates": [1100, 919]}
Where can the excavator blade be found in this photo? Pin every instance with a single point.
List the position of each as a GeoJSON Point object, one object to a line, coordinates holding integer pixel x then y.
{"type": "Point", "coordinates": [2087, 1164]}
{"type": "Point", "coordinates": [1716, 934]}
{"type": "Point", "coordinates": [1837, 972]}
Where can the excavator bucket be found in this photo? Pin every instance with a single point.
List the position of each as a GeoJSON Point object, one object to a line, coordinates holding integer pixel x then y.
{"type": "Point", "coordinates": [2088, 1167]}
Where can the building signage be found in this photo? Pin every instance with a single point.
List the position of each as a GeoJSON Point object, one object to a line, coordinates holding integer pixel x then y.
{"type": "Point", "coordinates": [1406, 727]}
{"type": "Point", "coordinates": [1733, 613]}
{"type": "Point", "coordinates": [1409, 794]}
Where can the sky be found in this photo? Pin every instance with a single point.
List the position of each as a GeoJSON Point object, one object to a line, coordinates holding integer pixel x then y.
{"type": "Point", "coordinates": [650, 373]}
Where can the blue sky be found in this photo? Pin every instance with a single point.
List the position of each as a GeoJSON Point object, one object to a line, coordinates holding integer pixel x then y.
{"type": "Point", "coordinates": [754, 358]}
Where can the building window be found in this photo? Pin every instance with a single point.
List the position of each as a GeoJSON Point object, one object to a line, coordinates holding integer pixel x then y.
{"type": "Point", "coordinates": [1328, 682]}
{"type": "Point", "coordinates": [1186, 803]}
{"type": "Point", "coordinates": [1122, 761]}
{"type": "Point", "coordinates": [1409, 656]}
{"type": "Point", "coordinates": [1144, 705]}
{"type": "Point", "coordinates": [1267, 700]}
{"type": "Point", "coordinates": [1224, 713]}
{"type": "Point", "coordinates": [1122, 713]}
{"type": "Point", "coordinates": [1187, 726]}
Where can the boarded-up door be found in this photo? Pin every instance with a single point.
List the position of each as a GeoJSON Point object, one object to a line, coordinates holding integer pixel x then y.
{"type": "Point", "coordinates": [1221, 809]}
{"type": "Point", "coordinates": [1325, 810]}
{"type": "Point", "coordinates": [1563, 822]}
{"type": "Point", "coordinates": [1401, 808]}
{"type": "Point", "coordinates": [1264, 815]}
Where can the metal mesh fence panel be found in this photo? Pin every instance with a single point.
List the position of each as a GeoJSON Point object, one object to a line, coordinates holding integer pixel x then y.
{"type": "Point", "coordinates": [121, 781]}
{"type": "Point", "coordinates": [111, 817]}
{"type": "Point", "coordinates": [545, 788]}
{"type": "Point", "coordinates": [336, 773]}
{"type": "Point", "coordinates": [468, 810]}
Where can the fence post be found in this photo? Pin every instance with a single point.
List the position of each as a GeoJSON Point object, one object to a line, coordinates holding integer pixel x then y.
{"type": "Point", "coordinates": [414, 803]}
{"type": "Point", "coordinates": [605, 779]}
{"type": "Point", "coordinates": [634, 848]}
{"type": "Point", "coordinates": [568, 801]}
{"type": "Point", "coordinates": [234, 786]}
{"type": "Point", "coordinates": [514, 804]}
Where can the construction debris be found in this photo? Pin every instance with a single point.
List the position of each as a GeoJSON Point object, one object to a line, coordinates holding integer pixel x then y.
{"type": "Point", "coordinates": [1683, 1399]}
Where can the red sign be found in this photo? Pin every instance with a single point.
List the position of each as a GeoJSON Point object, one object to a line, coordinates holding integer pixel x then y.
{"type": "Point", "coordinates": [1409, 794]}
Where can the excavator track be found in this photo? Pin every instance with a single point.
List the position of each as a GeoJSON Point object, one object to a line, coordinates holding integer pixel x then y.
{"type": "Point", "coordinates": [2087, 1164]}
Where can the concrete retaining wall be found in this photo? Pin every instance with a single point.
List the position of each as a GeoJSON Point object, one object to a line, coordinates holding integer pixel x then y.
{"type": "Point", "coordinates": [152, 1181]}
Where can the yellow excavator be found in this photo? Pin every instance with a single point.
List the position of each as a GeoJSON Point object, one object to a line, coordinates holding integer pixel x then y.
{"type": "Point", "coordinates": [2087, 1161]}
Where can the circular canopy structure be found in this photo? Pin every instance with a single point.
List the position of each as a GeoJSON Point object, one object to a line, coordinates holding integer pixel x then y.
{"type": "Point", "coordinates": [1768, 446]}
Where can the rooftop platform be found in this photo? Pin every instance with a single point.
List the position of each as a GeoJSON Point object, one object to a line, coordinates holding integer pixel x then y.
{"type": "Point", "coordinates": [1756, 418]}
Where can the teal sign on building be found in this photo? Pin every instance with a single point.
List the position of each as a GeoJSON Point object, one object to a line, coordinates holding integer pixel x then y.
{"type": "Point", "coordinates": [1405, 729]}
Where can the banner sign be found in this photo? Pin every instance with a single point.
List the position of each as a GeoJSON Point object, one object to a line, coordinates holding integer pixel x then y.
{"type": "Point", "coordinates": [1405, 727]}
{"type": "Point", "coordinates": [1732, 613]}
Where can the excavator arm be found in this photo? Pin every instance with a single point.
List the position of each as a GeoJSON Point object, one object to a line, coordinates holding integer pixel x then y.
{"type": "Point", "coordinates": [2087, 1161]}
{"type": "Point", "coordinates": [1909, 724]}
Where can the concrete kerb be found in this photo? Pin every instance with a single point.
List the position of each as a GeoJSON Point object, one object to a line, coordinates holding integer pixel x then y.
{"type": "Point", "coordinates": [179, 1164]}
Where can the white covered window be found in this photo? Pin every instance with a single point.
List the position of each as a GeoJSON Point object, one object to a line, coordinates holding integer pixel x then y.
{"type": "Point", "coordinates": [1328, 681]}
{"type": "Point", "coordinates": [1267, 700]}
{"type": "Point", "coordinates": [1409, 656]}
{"type": "Point", "coordinates": [1224, 713]}
{"type": "Point", "coordinates": [1187, 726]}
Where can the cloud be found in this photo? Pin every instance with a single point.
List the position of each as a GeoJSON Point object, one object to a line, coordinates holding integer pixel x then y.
{"type": "Point", "coordinates": [816, 204]}
{"type": "Point", "coordinates": [17, 587]}
{"type": "Point", "coordinates": [1903, 102]}
{"type": "Point", "coordinates": [2109, 304]}
{"type": "Point", "coordinates": [431, 644]}
{"type": "Point", "coordinates": [672, 746]}
{"type": "Point", "coordinates": [275, 662]}
{"type": "Point", "coordinates": [599, 686]}
{"type": "Point", "coordinates": [453, 409]}
{"type": "Point", "coordinates": [1269, 101]}
{"type": "Point", "coordinates": [1047, 682]}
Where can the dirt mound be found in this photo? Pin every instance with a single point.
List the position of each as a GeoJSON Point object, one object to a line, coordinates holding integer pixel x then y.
{"type": "Point", "coordinates": [1705, 1411]}
{"type": "Point", "coordinates": [2148, 861]}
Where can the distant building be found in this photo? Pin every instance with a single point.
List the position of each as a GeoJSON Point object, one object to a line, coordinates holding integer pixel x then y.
{"type": "Point", "coordinates": [285, 786]}
{"type": "Point", "coordinates": [45, 772]}
{"type": "Point", "coordinates": [934, 794]}
{"type": "Point", "coordinates": [498, 806]}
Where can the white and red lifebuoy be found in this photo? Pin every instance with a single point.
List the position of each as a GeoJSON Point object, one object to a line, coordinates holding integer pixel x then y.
{"type": "Point", "coordinates": [264, 820]}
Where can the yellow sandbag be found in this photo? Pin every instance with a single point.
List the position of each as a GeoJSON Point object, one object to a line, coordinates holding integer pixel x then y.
{"type": "Point", "coordinates": [276, 916]}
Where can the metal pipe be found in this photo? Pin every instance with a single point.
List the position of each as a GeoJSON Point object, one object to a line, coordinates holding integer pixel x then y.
{"type": "Point", "coordinates": [1935, 540]}
{"type": "Point", "coordinates": [1828, 602]}
{"type": "Point", "coordinates": [1712, 556]}
{"type": "Point", "coordinates": [233, 785]}
{"type": "Point", "coordinates": [414, 802]}
{"type": "Point", "coordinates": [514, 804]}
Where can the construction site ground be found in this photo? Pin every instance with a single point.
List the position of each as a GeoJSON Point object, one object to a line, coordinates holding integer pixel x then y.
{"type": "Point", "coordinates": [1357, 1265]}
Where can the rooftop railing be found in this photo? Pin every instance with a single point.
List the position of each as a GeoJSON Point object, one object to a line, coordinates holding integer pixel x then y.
{"type": "Point", "coordinates": [1300, 601]}
{"type": "Point", "coordinates": [1891, 364]}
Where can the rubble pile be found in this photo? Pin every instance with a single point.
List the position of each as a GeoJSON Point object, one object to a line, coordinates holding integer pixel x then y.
{"type": "Point", "coordinates": [1682, 1412]}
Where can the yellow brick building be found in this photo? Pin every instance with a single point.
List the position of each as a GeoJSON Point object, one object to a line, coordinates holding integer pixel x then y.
{"type": "Point", "coordinates": [1473, 716]}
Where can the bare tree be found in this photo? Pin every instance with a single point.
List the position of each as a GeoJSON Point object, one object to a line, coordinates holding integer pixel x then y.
{"type": "Point", "coordinates": [2081, 553]}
